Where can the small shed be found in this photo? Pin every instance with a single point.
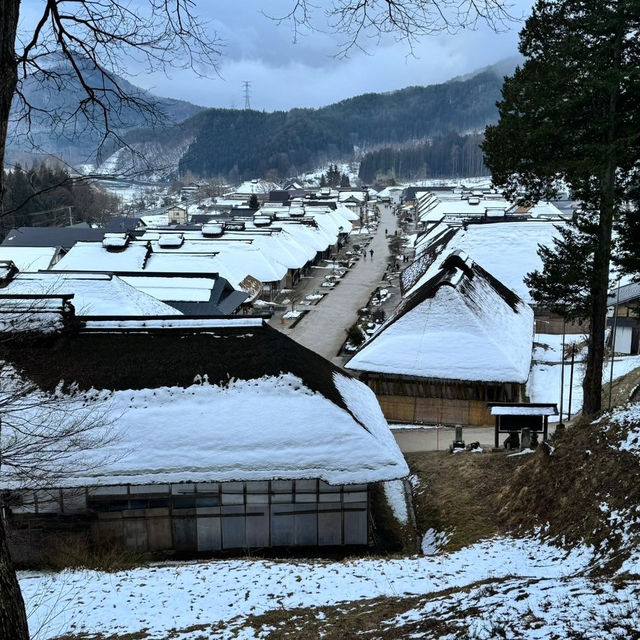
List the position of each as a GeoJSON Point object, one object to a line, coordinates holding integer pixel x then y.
{"type": "Point", "coordinates": [513, 417]}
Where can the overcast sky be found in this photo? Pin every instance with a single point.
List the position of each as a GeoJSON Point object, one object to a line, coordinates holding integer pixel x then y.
{"type": "Point", "coordinates": [288, 72]}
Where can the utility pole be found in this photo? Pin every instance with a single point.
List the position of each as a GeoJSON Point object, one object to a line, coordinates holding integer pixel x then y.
{"type": "Point", "coordinates": [247, 96]}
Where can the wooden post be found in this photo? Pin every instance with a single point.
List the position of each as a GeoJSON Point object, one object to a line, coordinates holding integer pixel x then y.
{"type": "Point", "coordinates": [497, 433]}
{"type": "Point", "coordinates": [545, 428]}
{"type": "Point", "coordinates": [573, 357]}
{"type": "Point", "coordinates": [564, 326]}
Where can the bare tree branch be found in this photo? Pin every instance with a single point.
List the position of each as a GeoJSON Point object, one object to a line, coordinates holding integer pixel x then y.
{"type": "Point", "coordinates": [361, 21]}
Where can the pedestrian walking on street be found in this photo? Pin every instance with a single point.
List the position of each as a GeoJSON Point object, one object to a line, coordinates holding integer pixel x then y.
{"type": "Point", "coordinates": [385, 232]}
{"type": "Point", "coordinates": [371, 253]}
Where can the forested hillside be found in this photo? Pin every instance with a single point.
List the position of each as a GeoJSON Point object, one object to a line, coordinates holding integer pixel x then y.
{"type": "Point", "coordinates": [448, 156]}
{"type": "Point", "coordinates": [242, 144]}
{"type": "Point", "coordinates": [46, 195]}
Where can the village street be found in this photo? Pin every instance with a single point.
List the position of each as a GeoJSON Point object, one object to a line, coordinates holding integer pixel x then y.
{"type": "Point", "coordinates": [323, 328]}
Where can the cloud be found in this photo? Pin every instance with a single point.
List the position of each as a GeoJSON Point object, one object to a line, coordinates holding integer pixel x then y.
{"type": "Point", "coordinates": [293, 81]}
{"type": "Point", "coordinates": [289, 70]}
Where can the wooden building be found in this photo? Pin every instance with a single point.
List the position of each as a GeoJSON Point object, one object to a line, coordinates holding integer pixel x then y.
{"type": "Point", "coordinates": [229, 436]}
{"type": "Point", "coordinates": [460, 340]}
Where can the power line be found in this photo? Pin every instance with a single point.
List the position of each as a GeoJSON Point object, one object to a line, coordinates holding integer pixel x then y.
{"type": "Point", "coordinates": [247, 96]}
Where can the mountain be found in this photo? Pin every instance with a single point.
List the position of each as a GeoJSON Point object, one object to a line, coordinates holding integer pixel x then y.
{"type": "Point", "coordinates": [239, 144]}
{"type": "Point", "coordinates": [59, 127]}
{"type": "Point", "coordinates": [251, 143]}
{"type": "Point", "coordinates": [504, 67]}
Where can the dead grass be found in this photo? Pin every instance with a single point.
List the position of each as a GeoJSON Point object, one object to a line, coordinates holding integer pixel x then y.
{"type": "Point", "coordinates": [374, 619]}
{"type": "Point", "coordinates": [622, 388]}
{"type": "Point", "coordinates": [566, 489]}
{"type": "Point", "coordinates": [459, 493]}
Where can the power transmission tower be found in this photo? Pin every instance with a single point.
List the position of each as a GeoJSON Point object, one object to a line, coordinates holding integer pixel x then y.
{"type": "Point", "coordinates": [247, 97]}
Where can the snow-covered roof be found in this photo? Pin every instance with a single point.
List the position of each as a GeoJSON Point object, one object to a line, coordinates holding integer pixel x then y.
{"type": "Point", "coordinates": [92, 256]}
{"type": "Point", "coordinates": [29, 258]}
{"type": "Point", "coordinates": [173, 288]}
{"type": "Point", "coordinates": [358, 196]}
{"type": "Point", "coordinates": [232, 260]}
{"type": "Point", "coordinates": [507, 250]}
{"type": "Point", "coordinates": [517, 409]}
{"type": "Point", "coordinates": [461, 325]}
{"type": "Point", "coordinates": [267, 408]}
{"type": "Point", "coordinates": [255, 186]}
{"type": "Point", "coordinates": [115, 240]}
{"type": "Point", "coordinates": [93, 294]}
{"type": "Point", "coordinates": [472, 207]}
{"type": "Point", "coordinates": [346, 213]}
{"type": "Point", "coordinates": [389, 191]}
{"type": "Point", "coordinates": [191, 295]}
{"type": "Point", "coordinates": [541, 210]}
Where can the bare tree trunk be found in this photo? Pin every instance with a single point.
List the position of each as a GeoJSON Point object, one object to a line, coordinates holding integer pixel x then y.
{"type": "Point", "coordinates": [13, 619]}
{"type": "Point", "coordinates": [9, 10]}
{"type": "Point", "coordinates": [592, 383]}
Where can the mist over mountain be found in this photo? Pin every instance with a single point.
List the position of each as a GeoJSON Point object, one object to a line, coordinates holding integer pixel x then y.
{"type": "Point", "coordinates": [51, 117]}
{"type": "Point", "coordinates": [237, 144]}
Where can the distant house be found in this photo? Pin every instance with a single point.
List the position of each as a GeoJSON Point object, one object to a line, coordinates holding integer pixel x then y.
{"type": "Point", "coordinates": [177, 215]}
{"type": "Point", "coordinates": [230, 436]}
{"type": "Point", "coordinates": [355, 200]}
{"type": "Point", "coordinates": [391, 194]}
{"type": "Point", "coordinates": [624, 305]}
{"type": "Point", "coordinates": [460, 340]}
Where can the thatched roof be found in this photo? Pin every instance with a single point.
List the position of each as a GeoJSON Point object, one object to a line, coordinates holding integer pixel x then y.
{"type": "Point", "coordinates": [462, 324]}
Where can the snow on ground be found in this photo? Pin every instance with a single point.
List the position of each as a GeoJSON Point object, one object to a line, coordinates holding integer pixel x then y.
{"type": "Point", "coordinates": [433, 541]}
{"type": "Point", "coordinates": [514, 609]}
{"type": "Point", "coordinates": [544, 380]}
{"type": "Point", "coordinates": [178, 595]}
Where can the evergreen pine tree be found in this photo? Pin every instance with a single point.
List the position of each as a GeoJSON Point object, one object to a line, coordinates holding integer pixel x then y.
{"type": "Point", "coordinates": [570, 113]}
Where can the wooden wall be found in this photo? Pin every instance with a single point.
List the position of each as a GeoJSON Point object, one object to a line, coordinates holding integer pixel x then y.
{"type": "Point", "coordinates": [435, 410]}
{"type": "Point", "coordinates": [440, 401]}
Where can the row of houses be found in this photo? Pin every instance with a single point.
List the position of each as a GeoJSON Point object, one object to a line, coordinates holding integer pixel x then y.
{"type": "Point", "coordinates": [210, 431]}
{"type": "Point", "coordinates": [459, 206]}
{"type": "Point", "coordinates": [194, 267]}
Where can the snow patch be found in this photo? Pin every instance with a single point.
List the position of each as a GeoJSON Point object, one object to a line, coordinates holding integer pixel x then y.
{"type": "Point", "coordinates": [397, 499]}
{"type": "Point", "coordinates": [433, 541]}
